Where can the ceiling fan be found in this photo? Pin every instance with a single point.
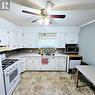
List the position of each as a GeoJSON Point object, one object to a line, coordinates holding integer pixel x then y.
{"type": "Point", "coordinates": [44, 15]}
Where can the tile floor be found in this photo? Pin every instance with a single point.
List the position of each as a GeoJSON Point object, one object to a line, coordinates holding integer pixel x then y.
{"type": "Point", "coordinates": [49, 83]}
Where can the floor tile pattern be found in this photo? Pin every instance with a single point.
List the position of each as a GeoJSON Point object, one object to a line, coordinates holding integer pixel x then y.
{"type": "Point", "coordinates": [49, 83]}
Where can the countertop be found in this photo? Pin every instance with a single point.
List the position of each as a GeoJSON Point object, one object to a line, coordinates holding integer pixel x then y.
{"type": "Point", "coordinates": [88, 71]}
{"type": "Point", "coordinates": [4, 49]}
{"type": "Point", "coordinates": [21, 55]}
{"type": "Point", "coordinates": [73, 55]}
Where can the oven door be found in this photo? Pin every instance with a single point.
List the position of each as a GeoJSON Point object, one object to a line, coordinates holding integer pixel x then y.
{"type": "Point", "coordinates": [11, 77]}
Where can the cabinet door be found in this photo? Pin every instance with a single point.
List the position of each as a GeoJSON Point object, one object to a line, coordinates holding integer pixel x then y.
{"type": "Point", "coordinates": [29, 40]}
{"type": "Point", "coordinates": [12, 40]}
{"type": "Point", "coordinates": [4, 37]}
{"type": "Point", "coordinates": [33, 63]}
{"type": "Point", "coordinates": [38, 64]}
{"type": "Point", "coordinates": [74, 63]}
{"type": "Point", "coordinates": [50, 65]}
{"type": "Point", "coordinates": [60, 63]}
{"type": "Point", "coordinates": [20, 38]}
{"type": "Point", "coordinates": [60, 40]}
{"type": "Point", "coordinates": [71, 38]}
{"type": "Point", "coordinates": [41, 65]}
{"type": "Point", "coordinates": [28, 63]}
{"type": "Point", "coordinates": [23, 64]}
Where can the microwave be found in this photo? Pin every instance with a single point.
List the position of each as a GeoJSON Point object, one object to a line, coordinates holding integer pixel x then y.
{"type": "Point", "coordinates": [71, 48]}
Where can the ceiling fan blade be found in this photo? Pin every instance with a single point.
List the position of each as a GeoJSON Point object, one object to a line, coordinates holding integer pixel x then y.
{"type": "Point", "coordinates": [35, 20]}
{"type": "Point", "coordinates": [27, 3]}
{"type": "Point", "coordinates": [24, 11]}
{"type": "Point", "coordinates": [58, 16]}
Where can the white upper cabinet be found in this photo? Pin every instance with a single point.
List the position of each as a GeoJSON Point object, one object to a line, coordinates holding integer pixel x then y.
{"type": "Point", "coordinates": [71, 38]}
{"type": "Point", "coordinates": [12, 40]}
{"type": "Point", "coordinates": [30, 39]}
{"type": "Point", "coordinates": [36, 37]}
{"type": "Point", "coordinates": [60, 40]}
{"type": "Point", "coordinates": [20, 39]}
{"type": "Point", "coordinates": [4, 37]}
{"type": "Point", "coordinates": [66, 38]}
{"type": "Point", "coordinates": [8, 38]}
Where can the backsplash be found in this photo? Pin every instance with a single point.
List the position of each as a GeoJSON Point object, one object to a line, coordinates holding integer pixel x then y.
{"type": "Point", "coordinates": [33, 50]}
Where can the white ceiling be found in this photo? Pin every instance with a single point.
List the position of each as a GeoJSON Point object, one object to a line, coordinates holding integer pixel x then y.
{"type": "Point", "coordinates": [78, 12]}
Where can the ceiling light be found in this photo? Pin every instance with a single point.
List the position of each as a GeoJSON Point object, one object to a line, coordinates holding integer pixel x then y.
{"type": "Point", "coordinates": [46, 21]}
{"type": "Point", "coordinates": [40, 21]}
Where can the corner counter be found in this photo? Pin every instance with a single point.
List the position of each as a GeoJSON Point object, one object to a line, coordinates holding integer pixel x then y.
{"type": "Point", "coordinates": [72, 61]}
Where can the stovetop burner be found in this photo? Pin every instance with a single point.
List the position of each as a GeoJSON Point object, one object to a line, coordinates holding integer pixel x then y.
{"type": "Point", "coordinates": [8, 62]}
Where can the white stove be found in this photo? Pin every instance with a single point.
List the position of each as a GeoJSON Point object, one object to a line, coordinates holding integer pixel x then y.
{"type": "Point", "coordinates": [7, 62]}
{"type": "Point", "coordinates": [11, 72]}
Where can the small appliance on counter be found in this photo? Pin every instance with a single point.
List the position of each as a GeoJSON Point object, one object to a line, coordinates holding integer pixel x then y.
{"type": "Point", "coordinates": [71, 49]}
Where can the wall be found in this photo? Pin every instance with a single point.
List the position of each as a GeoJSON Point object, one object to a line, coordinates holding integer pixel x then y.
{"type": "Point", "coordinates": [5, 24]}
{"type": "Point", "coordinates": [52, 29]}
{"type": "Point", "coordinates": [10, 26]}
{"type": "Point", "coordinates": [87, 43]}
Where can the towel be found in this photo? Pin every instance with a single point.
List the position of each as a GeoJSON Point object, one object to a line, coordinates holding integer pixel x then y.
{"type": "Point", "coordinates": [44, 60]}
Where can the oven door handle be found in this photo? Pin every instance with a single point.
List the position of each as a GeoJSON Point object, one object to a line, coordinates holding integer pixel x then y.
{"type": "Point", "coordinates": [7, 74]}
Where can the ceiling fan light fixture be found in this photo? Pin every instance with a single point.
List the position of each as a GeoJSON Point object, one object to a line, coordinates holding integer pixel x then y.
{"type": "Point", "coordinates": [46, 21]}
{"type": "Point", "coordinates": [45, 16]}
{"type": "Point", "coordinates": [40, 21]}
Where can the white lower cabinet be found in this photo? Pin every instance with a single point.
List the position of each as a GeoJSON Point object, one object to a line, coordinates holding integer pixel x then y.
{"type": "Point", "coordinates": [55, 63]}
{"type": "Point", "coordinates": [28, 63]}
{"type": "Point", "coordinates": [38, 64]}
{"type": "Point", "coordinates": [72, 62]}
{"type": "Point", "coordinates": [48, 66]}
{"type": "Point", "coordinates": [35, 63]}
{"type": "Point", "coordinates": [60, 63]}
{"type": "Point", "coordinates": [23, 64]}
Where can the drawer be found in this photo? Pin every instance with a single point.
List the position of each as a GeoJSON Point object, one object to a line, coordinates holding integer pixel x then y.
{"type": "Point", "coordinates": [75, 58]}
{"type": "Point", "coordinates": [74, 63]}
